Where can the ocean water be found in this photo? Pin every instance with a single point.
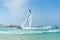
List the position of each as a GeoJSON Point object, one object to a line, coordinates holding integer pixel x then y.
{"type": "Point", "coordinates": [29, 34]}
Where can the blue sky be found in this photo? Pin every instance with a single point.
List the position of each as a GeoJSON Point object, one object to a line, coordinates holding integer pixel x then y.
{"type": "Point", "coordinates": [45, 12]}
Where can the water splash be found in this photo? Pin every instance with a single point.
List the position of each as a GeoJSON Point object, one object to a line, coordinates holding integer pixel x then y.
{"type": "Point", "coordinates": [28, 20]}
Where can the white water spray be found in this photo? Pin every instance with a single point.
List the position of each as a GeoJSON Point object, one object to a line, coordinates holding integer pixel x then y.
{"type": "Point", "coordinates": [28, 20]}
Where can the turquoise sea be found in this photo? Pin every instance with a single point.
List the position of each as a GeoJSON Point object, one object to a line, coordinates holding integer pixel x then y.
{"type": "Point", "coordinates": [29, 34]}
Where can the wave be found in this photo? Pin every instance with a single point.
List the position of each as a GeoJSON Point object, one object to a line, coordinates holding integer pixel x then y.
{"type": "Point", "coordinates": [42, 27]}
{"type": "Point", "coordinates": [29, 31]}
{"type": "Point", "coordinates": [45, 27]}
{"type": "Point", "coordinates": [55, 30]}
{"type": "Point", "coordinates": [15, 32]}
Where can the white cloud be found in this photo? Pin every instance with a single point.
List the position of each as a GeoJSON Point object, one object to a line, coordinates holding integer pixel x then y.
{"type": "Point", "coordinates": [16, 6]}
{"type": "Point", "coordinates": [17, 9]}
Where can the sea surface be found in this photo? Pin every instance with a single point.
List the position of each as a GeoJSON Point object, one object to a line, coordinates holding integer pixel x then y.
{"type": "Point", "coordinates": [29, 34]}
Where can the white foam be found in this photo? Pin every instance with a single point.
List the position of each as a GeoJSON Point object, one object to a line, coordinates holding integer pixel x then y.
{"type": "Point", "coordinates": [28, 31]}
{"type": "Point", "coordinates": [55, 30]}
{"type": "Point", "coordinates": [20, 32]}
{"type": "Point", "coordinates": [45, 27]}
{"type": "Point", "coordinates": [30, 28]}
